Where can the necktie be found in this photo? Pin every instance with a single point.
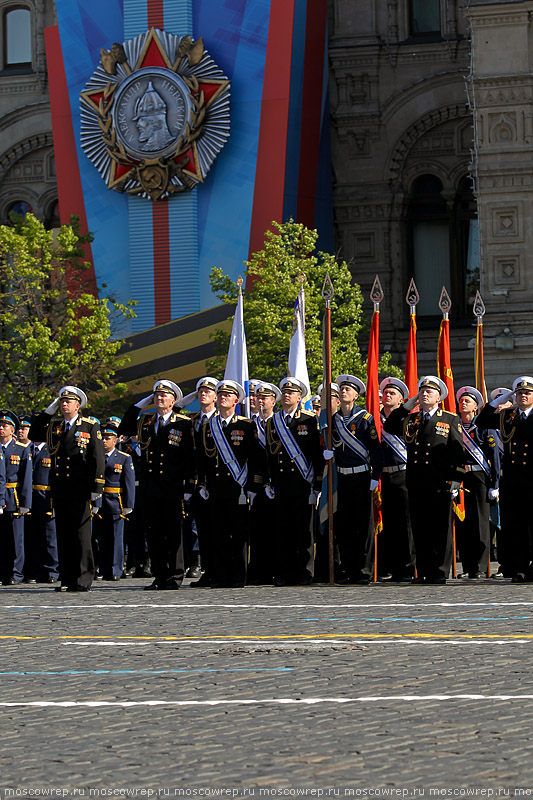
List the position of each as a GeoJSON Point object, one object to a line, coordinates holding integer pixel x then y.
{"type": "Point", "coordinates": [224, 423]}
{"type": "Point", "coordinates": [288, 419]}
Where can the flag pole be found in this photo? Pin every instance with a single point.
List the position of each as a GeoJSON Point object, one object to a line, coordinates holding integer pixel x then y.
{"type": "Point", "coordinates": [444, 371]}
{"type": "Point", "coordinates": [372, 403]}
{"type": "Point", "coordinates": [411, 366]}
{"type": "Point", "coordinates": [479, 362]}
{"type": "Point", "coordinates": [328, 293]}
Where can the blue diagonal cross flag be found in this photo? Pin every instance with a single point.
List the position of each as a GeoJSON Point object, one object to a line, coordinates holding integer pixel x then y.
{"type": "Point", "coordinates": [297, 355]}
{"type": "Point", "coordinates": [237, 360]}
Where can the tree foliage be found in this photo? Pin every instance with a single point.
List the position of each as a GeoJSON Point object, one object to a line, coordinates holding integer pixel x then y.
{"type": "Point", "coordinates": [53, 329]}
{"type": "Point", "coordinates": [273, 284]}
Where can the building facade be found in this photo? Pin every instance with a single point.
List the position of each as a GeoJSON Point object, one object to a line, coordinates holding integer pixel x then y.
{"type": "Point", "coordinates": [431, 128]}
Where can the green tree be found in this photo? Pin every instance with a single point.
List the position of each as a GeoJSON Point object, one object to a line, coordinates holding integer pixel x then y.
{"type": "Point", "coordinates": [53, 328]}
{"type": "Point", "coordinates": [274, 272]}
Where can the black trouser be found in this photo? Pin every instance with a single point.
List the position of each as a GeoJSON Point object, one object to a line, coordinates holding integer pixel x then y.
{"type": "Point", "coordinates": [430, 509]}
{"type": "Point", "coordinates": [73, 529]}
{"type": "Point", "coordinates": [516, 508]}
{"type": "Point", "coordinates": [396, 552]}
{"type": "Point", "coordinates": [262, 557]}
{"type": "Point", "coordinates": [473, 533]}
{"type": "Point", "coordinates": [40, 546]}
{"type": "Point", "coordinates": [353, 524]}
{"type": "Point", "coordinates": [163, 520]}
{"type": "Point", "coordinates": [205, 531]}
{"type": "Point", "coordinates": [229, 522]}
{"type": "Point", "coordinates": [293, 535]}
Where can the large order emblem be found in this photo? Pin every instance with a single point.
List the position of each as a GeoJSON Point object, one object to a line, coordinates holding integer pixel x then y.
{"type": "Point", "coordinates": [155, 114]}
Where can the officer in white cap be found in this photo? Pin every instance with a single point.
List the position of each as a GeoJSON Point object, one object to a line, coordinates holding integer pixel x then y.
{"type": "Point", "coordinates": [254, 401]}
{"type": "Point", "coordinates": [294, 456]}
{"type": "Point", "coordinates": [435, 469]}
{"type": "Point", "coordinates": [230, 473]}
{"type": "Point", "coordinates": [359, 460]}
{"type": "Point", "coordinates": [396, 554]}
{"type": "Point", "coordinates": [77, 481]}
{"type": "Point", "coordinates": [481, 481]}
{"type": "Point", "coordinates": [516, 428]}
{"type": "Point", "coordinates": [166, 477]}
{"type": "Point", "coordinates": [207, 396]}
{"type": "Point", "coordinates": [261, 567]}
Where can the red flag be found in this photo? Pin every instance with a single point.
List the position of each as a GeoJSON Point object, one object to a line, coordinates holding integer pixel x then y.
{"type": "Point", "coordinates": [444, 365]}
{"type": "Point", "coordinates": [411, 364]}
{"type": "Point", "coordinates": [372, 373]}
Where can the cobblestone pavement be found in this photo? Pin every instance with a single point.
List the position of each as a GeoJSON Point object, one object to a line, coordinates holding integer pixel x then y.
{"type": "Point", "coordinates": [319, 687]}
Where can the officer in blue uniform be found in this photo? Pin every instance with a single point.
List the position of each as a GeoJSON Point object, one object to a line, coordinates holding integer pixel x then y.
{"type": "Point", "coordinates": [117, 503]}
{"type": "Point", "coordinates": [396, 555]}
{"type": "Point", "coordinates": [359, 461]}
{"type": "Point", "coordinates": [18, 491]}
{"type": "Point", "coordinates": [516, 430]}
{"type": "Point", "coordinates": [435, 469]}
{"type": "Point", "coordinates": [166, 475]}
{"type": "Point", "coordinates": [76, 479]}
{"type": "Point", "coordinates": [41, 559]}
{"type": "Point", "coordinates": [481, 482]}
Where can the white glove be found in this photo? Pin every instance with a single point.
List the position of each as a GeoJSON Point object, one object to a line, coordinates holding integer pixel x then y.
{"type": "Point", "coordinates": [270, 493]}
{"type": "Point", "coordinates": [1, 510]}
{"type": "Point", "coordinates": [204, 494]}
{"type": "Point", "coordinates": [328, 454]}
{"type": "Point", "coordinates": [127, 511]}
{"type": "Point", "coordinates": [411, 403]}
{"type": "Point", "coordinates": [95, 496]}
{"type": "Point", "coordinates": [373, 484]}
{"type": "Point", "coordinates": [23, 510]}
{"type": "Point", "coordinates": [52, 408]}
{"type": "Point", "coordinates": [251, 497]}
{"type": "Point", "coordinates": [187, 496]}
{"type": "Point", "coordinates": [94, 510]}
{"type": "Point", "coordinates": [145, 402]}
{"type": "Point", "coordinates": [494, 494]}
{"type": "Point", "coordinates": [313, 497]}
{"type": "Point", "coordinates": [501, 399]}
{"type": "Point", "coordinates": [454, 488]}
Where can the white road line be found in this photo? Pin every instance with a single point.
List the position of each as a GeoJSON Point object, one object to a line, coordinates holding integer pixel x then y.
{"type": "Point", "coordinates": [292, 643]}
{"type": "Point", "coordinates": [304, 701]}
{"type": "Point", "coordinates": [112, 606]}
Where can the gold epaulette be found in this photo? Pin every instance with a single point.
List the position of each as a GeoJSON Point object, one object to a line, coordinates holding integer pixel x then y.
{"type": "Point", "coordinates": [367, 415]}
{"type": "Point", "coordinates": [23, 444]}
{"type": "Point", "coordinates": [305, 413]}
{"type": "Point", "coordinates": [241, 419]}
{"type": "Point", "coordinates": [86, 419]}
{"type": "Point", "coordinates": [176, 415]}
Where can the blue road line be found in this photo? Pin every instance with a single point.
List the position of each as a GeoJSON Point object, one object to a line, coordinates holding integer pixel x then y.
{"type": "Point", "coordinates": [145, 671]}
{"type": "Point", "coordinates": [408, 619]}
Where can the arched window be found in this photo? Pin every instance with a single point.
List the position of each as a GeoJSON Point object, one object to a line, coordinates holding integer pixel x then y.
{"type": "Point", "coordinates": [424, 17]}
{"type": "Point", "coordinates": [17, 37]}
{"type": "Point", "coordinates": [443, 244]}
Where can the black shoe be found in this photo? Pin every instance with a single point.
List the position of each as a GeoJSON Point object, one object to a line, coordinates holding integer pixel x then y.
{"type": "Point", "coordinates": [153, 586]}
{"type": "Point", "coordinates": [364, 580]}
{"type": "Point", "coordinates": [142, 573]}
{"type": "Point", "coordinates": [387, 577]}
{"type": "Point", "coordinates": [78, 588]}
{"type": "Point", "coordinates": [418, 581]}
{"type": "Point", "coordinates": [195, 572]}
{"type": "Point", "coordinates": [464, 575]}
{"type": "Point", "coordinates": [401, 578]}
{"type": "Point", "coordinates": [30, 580]}
{"type": "Point", "coordinates": [98, 577]}
{"type": "Point", "coordinates": [519, 578]}
{"type": "Point", "coordinates": [171, 586]}
{"type": "Point", "coordinates": [61, 588]}
{"type": "Point", "coordinates": [111, 577]}
{"type": "Point", "coordinates": [10, 582]}
{"type": "Point", "coordinates": [280, 583]}
{"type": "Point", "coordinates": [436, 581]}
{"type": "Point", "coordinates": [478, 575]}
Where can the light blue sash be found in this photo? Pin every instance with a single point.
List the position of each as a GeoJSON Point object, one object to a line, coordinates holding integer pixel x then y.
{"type": "Point", "coordinates": [289, 443]}
{"type": "Point", "coordinates": [240, 474]}
{"type": "Point", "coordinates": [261, 435]}
{"type": "Point", "coordinates": [350, 440]}
{"type": "Point", "coordinates": [475, 451]}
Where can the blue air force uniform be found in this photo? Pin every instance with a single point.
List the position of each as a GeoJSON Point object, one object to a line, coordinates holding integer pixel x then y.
{"type": "Point", "coordinates": [41, 561]}
{"type": "Point", "coordinates": [18, 494]}
{"type": "Point", "coordinates": [108, 524]}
